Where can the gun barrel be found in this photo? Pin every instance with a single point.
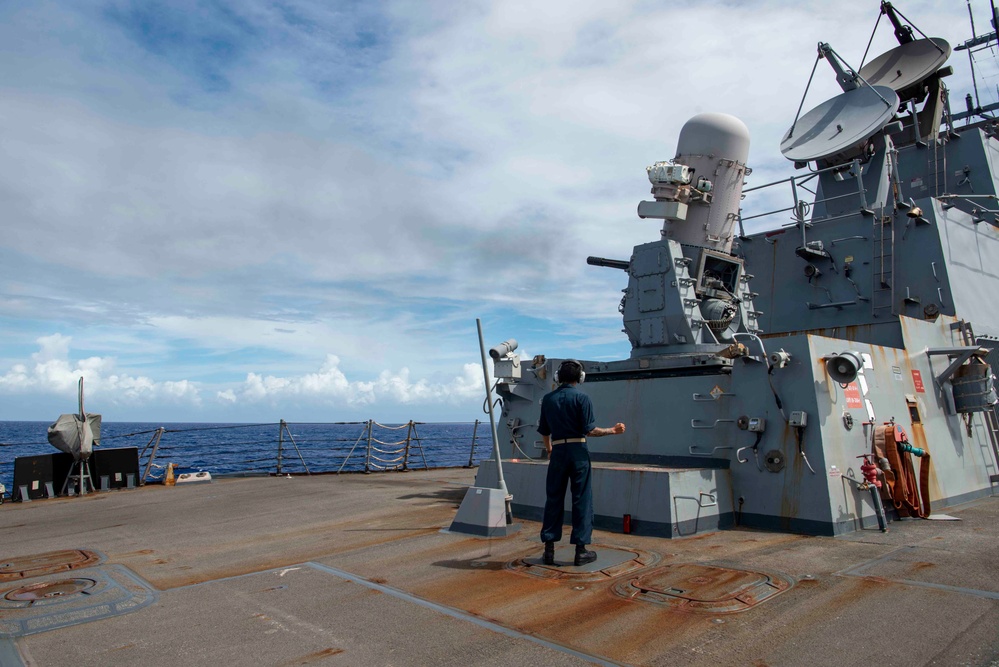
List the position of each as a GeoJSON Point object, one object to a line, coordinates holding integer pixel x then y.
{"type": "Point", "coordinates": [612, 263]}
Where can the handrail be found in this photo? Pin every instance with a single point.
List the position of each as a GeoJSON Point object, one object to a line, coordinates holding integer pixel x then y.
{"type": "Point", "coordinates": [254, 449]}
{"type": "Point", "coordinates": [796, 181]}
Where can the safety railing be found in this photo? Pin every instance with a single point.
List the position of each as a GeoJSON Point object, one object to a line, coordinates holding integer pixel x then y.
{"type": "Point", "coordinates": [282, 448]}
{"type": "Point", "coordinates": [800, 208]}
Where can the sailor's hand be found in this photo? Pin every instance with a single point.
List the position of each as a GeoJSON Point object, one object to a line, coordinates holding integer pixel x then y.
{"type": "Point", "coordinates": [618, 428]}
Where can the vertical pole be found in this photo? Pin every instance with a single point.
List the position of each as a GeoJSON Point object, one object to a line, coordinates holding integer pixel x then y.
{"type": "Point", "coordinates": [405, 456]}
{"type": "Point", "coordinates": [501, 482]}
{"type": "Point", "coordinates": [471, 454]}
{"type": "Point", "coordinates": [367, 455]}
{"type": "Point", "coordinates": [280, 446]}
{"type": "Point", "coordinates": [879, 509]}
{"type": "Point", "coordinates": [798, 213]}
{"type": "Point", "coordinates": [917, 133]}
{"type": "Point", "coordinates": [950, 121]}
{"type": "Point", "coordinates": [419, 443]}
{"type": "Point", "coordinates": [859, 172]}
{"type": "Point", "coordinates": [971, 61]}
{"type": "Point", "coordinates": [152, 455]}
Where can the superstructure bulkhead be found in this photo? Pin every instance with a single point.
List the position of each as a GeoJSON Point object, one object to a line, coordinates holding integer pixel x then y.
{"type": "Point", "coordinates": [778, 379]}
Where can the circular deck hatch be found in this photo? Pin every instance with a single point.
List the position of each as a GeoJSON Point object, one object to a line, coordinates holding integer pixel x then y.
{"type": "Point", "coordinates": [50, 589]}
{"type": "Point", "coordinates": [705, 588]}
{"type": "Point", "coordinates": [23, 567]}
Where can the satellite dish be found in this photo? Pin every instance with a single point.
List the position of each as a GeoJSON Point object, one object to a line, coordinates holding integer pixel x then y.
{"type": "Point", "coordinates": [838, 125]}
{"type": "Point", "coordinates": [907, 64]}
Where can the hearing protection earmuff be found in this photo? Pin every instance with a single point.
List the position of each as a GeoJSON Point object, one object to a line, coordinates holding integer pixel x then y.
{"type": "Point", "coordinates": [568, 369]}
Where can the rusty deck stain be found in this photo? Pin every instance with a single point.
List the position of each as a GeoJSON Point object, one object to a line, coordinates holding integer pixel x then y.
{"type": "Point", "coordinates": [46, 563]}
{"type": "Point", "coordinates": [313, 658]}
{"type": "Point", "coordinates": [399, 544]}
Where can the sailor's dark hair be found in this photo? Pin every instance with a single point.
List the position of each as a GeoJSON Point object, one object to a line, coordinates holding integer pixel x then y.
{"type": "Point", "coordinates": [570, 371]}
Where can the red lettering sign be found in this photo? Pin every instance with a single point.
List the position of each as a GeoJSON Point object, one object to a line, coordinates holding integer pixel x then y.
{"type": "Point", "coordinates": [852, 393]}
{"type": "Point", "coordinates": [917, 379]}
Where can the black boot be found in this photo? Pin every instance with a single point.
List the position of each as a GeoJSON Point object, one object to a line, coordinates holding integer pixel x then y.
{"type": "Point", "coordinates": [583, 556]}
{"type": "Point", "coordinates": [549, 557]}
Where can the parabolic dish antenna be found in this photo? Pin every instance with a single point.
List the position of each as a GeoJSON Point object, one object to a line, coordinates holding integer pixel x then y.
{"type": "Point", "coordinates": [907, 64]}
{"type": "Point", "coordinates": [840, 124]}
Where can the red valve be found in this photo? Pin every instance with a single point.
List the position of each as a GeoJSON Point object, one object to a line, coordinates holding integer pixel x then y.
{"type": "Point", "coordinates": [870, 471]}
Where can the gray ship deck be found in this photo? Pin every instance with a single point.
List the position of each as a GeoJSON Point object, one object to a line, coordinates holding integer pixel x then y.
{"type": "Point", "coordinates": [355, 570]}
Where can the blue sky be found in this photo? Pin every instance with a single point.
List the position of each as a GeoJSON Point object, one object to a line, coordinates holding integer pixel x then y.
{"type": "Point", "coordinates": [251, 211]}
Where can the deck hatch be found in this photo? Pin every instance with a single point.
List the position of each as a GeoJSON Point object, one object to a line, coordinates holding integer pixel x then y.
{"type": "Point", "coordinates": [50, 589]}
{"type": "Point", "coordinates": [703, 588]}
{"type": "Point", "coordinates": [56, 601]}
{"type": "Point", "coordinates": [23, 567]}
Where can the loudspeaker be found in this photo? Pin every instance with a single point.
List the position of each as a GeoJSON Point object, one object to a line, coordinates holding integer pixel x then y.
{"type": "Point", "coordinates": [844, 367]}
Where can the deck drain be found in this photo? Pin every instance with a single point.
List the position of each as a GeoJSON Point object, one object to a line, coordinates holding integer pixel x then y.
{"type": "Point", "coordinates": [612, 561]}
{"type": "Point", "coordinates": [703, 588]}
{"type": "Point", "coordinates": [24, 567]}
{"type": "Point", "coordinates": [50, 589]}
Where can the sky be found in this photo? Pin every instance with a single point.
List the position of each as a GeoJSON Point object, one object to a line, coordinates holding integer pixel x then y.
{"type": "Point", "coordinates": [249, 211]}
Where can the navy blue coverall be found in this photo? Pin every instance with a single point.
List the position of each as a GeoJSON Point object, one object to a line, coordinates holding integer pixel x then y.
{"type": "Point", "coordinates": [567, 413]}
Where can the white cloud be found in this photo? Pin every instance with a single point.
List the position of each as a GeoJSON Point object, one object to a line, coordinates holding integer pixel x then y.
{"type": "Point", "coordinates": [330, 385]}
{"type": "Point", "coordinates": [364, 180]}
{"type": "Point", "coordinates": [52, 372]}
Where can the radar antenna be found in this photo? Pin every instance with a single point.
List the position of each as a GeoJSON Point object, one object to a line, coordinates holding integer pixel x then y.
{"type": "Point", "coordinates": [909, 64]}
{"type": "Point", "coordinates": [838, 128]}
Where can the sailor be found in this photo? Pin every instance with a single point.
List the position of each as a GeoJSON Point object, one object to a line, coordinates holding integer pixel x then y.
{"type": "Point", "coordinates": [566, 421]}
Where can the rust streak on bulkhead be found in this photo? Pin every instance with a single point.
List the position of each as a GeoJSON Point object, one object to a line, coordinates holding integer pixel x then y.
{"type": "Point", "coordinates": [917, 438]}
{"type": "Point", "coordinates": [790, 476]}
{"type": "Point", "coordinates": [879, 358]}
{"type": "Point", "coordinates": [849, 333]}
{"type": "Point", "coordinates": [910, 384]}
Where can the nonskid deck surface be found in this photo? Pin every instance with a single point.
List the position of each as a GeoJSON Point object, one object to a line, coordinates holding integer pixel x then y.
{"type": "Point", "coordinates": [356, 570]}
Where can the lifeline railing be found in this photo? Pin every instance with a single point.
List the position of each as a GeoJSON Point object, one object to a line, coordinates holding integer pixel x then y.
{"type": "Point", "coordinates": [288, 448]}
{"type": "Point", "coordinates": [800, 208]}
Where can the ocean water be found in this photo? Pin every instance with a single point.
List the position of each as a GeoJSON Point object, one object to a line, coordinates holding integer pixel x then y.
{"type": "Point", "coordinates": [254, 448]}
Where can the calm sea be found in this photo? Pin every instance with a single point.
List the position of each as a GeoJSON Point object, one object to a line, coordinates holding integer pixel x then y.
{"type": "Point", "coordinates": [254, 448]}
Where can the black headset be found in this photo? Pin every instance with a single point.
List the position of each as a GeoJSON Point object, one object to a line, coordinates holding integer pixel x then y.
{"type": "Point", "coordinates": [570, 364]}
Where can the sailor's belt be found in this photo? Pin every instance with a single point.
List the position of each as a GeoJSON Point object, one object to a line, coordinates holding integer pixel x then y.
{"type": "Point", "coordinates": [567, 440]}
